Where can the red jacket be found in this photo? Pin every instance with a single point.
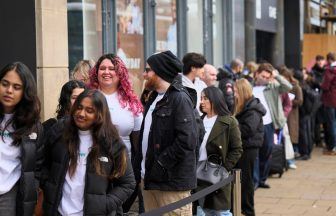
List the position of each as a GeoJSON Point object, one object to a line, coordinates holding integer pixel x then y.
{"type": "Point", "coordinates": [329, 86]}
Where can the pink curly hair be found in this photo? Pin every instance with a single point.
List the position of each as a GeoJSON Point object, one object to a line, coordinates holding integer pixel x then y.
{"type": "Point", "coordinates": [126, 94]}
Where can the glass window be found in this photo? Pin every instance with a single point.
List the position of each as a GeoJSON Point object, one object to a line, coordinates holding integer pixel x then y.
{"type": "Point", "coordinates": [84, 30]}
{"type": "Point", "coordinates": [165, 15]}
{"type": "Point", "coordinates": [130, 39]}
{"type": "Point", "coordinates": [195, 26]}
{"type": "Point", "coordinates": [217, 27]}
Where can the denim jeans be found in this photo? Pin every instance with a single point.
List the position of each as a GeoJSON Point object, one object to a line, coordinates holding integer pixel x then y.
{"type": "Point", "coordinates": [265, 153]}
{"type": "Point", "coordinates": [8, 202]}
{"type": "Point", "coordinates": [211, 212]}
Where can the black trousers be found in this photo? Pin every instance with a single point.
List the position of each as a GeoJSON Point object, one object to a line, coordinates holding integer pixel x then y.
{"type": "Point", "coordinates": [246, 164]}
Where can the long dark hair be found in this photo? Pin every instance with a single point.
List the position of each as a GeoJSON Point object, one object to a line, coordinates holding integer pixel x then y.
{"type": "Point", "coordinates": [64, 101]}
{"type": "Point", "coordinates": [27, 111]}
{"type": "Point", "coordinates": [217, 100]}
{"type": "Point", "coordinates": [104, 136]}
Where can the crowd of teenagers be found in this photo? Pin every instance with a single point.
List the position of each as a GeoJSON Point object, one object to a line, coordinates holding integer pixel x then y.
{"type": "Point", "coordinates": [107, 147]}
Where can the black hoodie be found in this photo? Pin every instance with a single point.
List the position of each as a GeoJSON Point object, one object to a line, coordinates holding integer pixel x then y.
{"type": "Point", "coordinates": [251, 124]}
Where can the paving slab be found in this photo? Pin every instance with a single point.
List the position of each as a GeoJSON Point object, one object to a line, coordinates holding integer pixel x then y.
{"type": "Point", "coordinates": [310, 190]}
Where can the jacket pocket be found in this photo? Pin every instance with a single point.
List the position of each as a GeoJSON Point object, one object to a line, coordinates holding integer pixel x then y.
{"type": "Point", "coordinates": [158, 173]}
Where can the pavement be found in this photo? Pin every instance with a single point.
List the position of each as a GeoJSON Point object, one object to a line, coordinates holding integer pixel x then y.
{"type": "Point", "coordinates": [309, 190]}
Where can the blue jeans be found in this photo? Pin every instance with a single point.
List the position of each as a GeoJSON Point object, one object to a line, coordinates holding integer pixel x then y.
{"type": "Point", "coordinates": [211, 212]}
{"type": "Point", "coordinates": [265, 153]}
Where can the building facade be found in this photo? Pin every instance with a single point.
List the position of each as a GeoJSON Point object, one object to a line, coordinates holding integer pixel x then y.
{"type": "Point", "coordinates": [54, 35]}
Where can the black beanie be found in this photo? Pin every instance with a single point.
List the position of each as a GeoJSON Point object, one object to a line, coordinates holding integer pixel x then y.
{"type": "Point", "coordinates": [165, 64]}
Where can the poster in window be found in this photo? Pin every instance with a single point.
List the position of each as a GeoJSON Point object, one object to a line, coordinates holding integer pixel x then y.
{"type": "Point", "coordinates": [130, 39]}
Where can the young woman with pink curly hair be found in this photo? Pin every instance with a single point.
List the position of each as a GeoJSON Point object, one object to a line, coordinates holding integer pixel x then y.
{"type": "Point", "coordinates": [110, 76]}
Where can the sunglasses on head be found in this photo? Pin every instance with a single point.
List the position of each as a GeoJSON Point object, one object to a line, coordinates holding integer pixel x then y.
{"type": "Point", "coordinates": [148, 69]}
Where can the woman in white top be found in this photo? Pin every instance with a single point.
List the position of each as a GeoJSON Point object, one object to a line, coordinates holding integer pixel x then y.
{"type": "Point", "coordinates": [111, 77]}
{"type": "Point", "coordinates": [86, 169]}
{"type": "Point", "coordinates": [21, 151]}
{"type": "Point", "coordinates": [222, 141]}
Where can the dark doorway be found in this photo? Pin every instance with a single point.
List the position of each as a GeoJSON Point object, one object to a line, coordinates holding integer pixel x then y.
{"type": "Point", "coordinates": [265, 45]}
{"type": "Point", "coordinates": [18, 33]}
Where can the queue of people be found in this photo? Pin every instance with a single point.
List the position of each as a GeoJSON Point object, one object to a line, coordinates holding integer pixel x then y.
{"type": "Point", "coordinates": [106, 148]}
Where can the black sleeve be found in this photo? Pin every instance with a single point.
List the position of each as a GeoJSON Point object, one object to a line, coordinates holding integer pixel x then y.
{"type": "Point", "coordinates": [39, 152]}
{"type": "Point", "coordinates": [249, 124]}
{"type": "Point", "coordinates": [235, 149]}
{"type": "Point", "coordinates": [48, 138]}
{"type": "Point", "coordinates": [122, 187]}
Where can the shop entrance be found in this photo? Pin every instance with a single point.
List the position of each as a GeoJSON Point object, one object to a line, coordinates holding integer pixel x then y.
{"type": "Point", "coordinates": [265, 46]}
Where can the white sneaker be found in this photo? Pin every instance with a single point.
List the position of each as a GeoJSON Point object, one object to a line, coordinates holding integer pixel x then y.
{"type": "Point", "coordinates": [292, 166]}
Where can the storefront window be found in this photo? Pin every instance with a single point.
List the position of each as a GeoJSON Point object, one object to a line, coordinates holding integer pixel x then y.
{"type": "Point", "coordinates": [195, 26]}
{"type": "Point", "coordinates": [84, 30]}
{"type": "Point", "coordinates": [165, 15]}
{"type": "Point", "coordinates": [217, 26]}
{"type": "Point", "coordinates": [130, 39]}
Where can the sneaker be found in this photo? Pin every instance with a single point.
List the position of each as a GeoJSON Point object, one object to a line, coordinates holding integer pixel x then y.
{"type": "Point", "coordinates": [264, 185]}
{"type": "Point", "coordinates": [303, 157]}
{"type": "Point", "coordinates": [292, 166]}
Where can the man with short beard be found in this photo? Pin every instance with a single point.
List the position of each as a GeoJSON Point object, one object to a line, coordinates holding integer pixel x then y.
{"type": "Point", "coordinates": [268, 87]}
{"type": "Point", "coordinates": [168, 136]}
{"type": "Point", "coordinates": [210, 75]}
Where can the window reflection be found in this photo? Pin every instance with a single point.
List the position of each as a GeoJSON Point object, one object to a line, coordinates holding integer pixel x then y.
{"type": "Point", "coordinates": [84, 30]}
{"type": "Point", "coordinates": [165, 15]}
{"type": "Point", "coordinates": [130, 39]}
{"type": "Point", "coordinates": [195, 26]}
{"type": "Point", "coordinates": [217, 27]}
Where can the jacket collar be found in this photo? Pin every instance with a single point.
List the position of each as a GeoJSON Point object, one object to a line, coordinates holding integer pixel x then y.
{"type": "Point", "coordinates": [221, 124]}
{"type": "Point", "coordinates": [176, 85]}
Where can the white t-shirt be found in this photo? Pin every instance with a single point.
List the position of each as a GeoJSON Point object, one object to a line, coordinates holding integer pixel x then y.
{"type": "Point", "coordinates": [123, 119]}
{"type": "Point", "coordinates": [258, 92]}
{"type": "Point", "coordinates": [147, 125]}
{"type": "Point", "coordinates": [72, 201]}
{"type": "Point", "coordinates": [208, 125]}
{"type": "Point", "coordinates": [10, 163]}
{"type": "Point", "coordinates": [198, 85]}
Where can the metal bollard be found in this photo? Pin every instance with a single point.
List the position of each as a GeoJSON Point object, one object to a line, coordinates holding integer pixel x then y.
{"type": "Point", "coordinates": [237, 193]}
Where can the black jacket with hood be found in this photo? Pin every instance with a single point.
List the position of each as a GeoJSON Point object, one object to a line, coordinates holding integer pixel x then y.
{"type": "Point", "coordinates": [251, 123]}
{"type": "Point", "coordinates": [102, 196]}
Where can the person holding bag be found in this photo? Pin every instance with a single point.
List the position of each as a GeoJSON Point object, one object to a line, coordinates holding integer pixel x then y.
{"type": "Point", "coordinates": [222, 139]}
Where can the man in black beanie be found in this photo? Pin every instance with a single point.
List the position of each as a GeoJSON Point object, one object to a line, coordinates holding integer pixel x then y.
{"type": "Point", "coordinates": [168, 137]}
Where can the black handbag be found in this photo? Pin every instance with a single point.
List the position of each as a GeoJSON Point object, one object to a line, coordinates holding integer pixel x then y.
{"type": "Point", "coordinates": [210, 172]}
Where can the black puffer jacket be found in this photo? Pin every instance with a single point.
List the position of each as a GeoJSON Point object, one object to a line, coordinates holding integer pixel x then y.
{"type": "Point", "coordinates": [31, 161]}
{"type": "Point", "coordinates": [173, 137]}
{"type": "Point", "coordinates": [101, 195]}
{"type": "Point", "coordinates": [251, 123]}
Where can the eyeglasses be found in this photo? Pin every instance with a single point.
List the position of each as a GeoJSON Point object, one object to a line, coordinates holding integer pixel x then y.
{"type": "Point", "coordinates": [148, 69]}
